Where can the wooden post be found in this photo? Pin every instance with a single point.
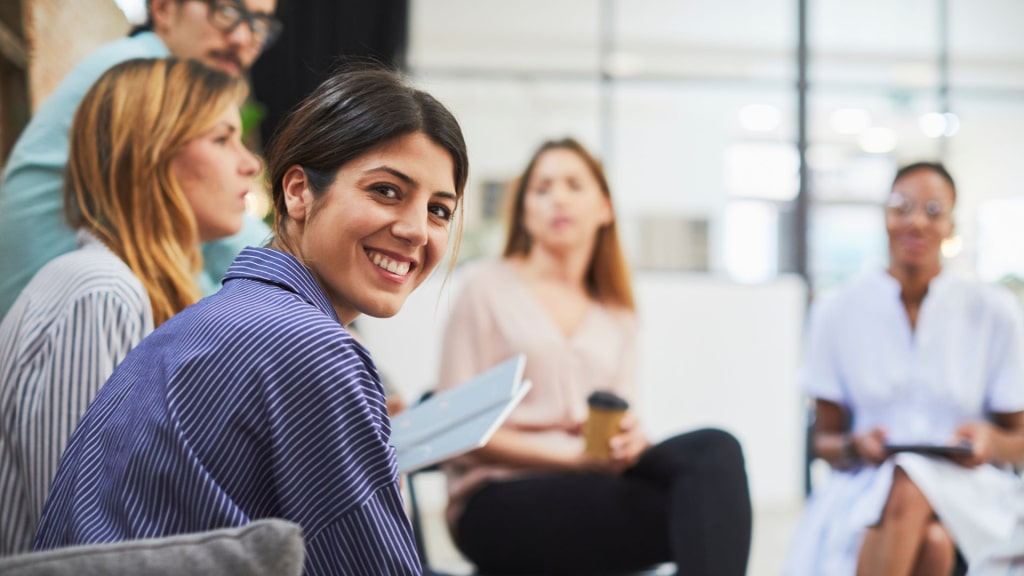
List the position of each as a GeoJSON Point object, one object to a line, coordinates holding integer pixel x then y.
{"type": "Point", "coordinates": [60, 33]}
{"type": "Point", "coordinates": [14, 110]}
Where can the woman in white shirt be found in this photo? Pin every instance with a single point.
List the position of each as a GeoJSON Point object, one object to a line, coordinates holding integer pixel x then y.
{"type": "Point", "coordinates": [156, 166]}
{"type": "Point", "coordinates": [912, 355]}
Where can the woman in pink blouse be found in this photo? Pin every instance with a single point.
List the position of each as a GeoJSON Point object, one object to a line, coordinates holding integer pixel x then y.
{"type": "Point", "coordinates": [531, 501]}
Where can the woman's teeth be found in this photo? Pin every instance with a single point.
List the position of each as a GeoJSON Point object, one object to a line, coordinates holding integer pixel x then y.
{"type": "Point", "coordinates": [382, 261]}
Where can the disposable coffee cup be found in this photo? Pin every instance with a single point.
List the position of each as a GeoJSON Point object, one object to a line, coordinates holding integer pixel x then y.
{"type": "Point", "coordinates": [603, 422]}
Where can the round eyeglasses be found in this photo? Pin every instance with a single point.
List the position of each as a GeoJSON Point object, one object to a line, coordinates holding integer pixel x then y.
{"type": "Point", "coordinates": [901, 206]}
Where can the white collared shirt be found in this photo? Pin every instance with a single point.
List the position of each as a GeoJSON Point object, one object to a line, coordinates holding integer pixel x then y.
{"type": "Point", "coordinates": [965, 358]}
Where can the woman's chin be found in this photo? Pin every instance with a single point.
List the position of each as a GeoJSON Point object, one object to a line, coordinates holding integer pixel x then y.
{"type": "Point", "coordinates": [383, 309]}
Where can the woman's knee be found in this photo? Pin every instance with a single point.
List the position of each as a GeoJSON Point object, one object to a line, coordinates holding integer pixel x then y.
{"type": "Point", "coordinates": [906, 501]}
{"type": "Point", "coordinates": [706, 451]}
{"type": "Point", "coordinates": [938, 552]}
{"type": "Point", "coordinates": [938, 542]}
{"type": "Point", "coordinates": [720, 446]}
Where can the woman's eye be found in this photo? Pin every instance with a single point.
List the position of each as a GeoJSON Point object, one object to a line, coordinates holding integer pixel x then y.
{"type": "Point", "coordinates": [222, 139]}
{"type": "Point", "coordinates": [386, 191]}
{"type": "Point", "coordinates": [442, 212]}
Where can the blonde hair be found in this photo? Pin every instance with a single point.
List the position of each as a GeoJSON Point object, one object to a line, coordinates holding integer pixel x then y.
{"type": "Point", "coordinates": [607, 275]}
{"type": "Point", "coordinates": [118, 182]}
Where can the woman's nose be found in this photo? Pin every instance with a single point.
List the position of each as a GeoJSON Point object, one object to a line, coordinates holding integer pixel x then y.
{"type": "Point", "coordinates": [411, 226]}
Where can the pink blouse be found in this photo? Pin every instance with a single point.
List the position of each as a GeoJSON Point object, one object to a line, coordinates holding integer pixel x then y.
{"type": "Point", "coordinates": [496, 316]}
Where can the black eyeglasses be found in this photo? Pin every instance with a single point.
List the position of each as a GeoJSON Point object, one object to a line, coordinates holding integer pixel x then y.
{"type": "Point", "coordinates": [226, 15]}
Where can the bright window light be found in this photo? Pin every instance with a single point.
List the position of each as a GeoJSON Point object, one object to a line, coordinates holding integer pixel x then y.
{"type": "Point", "coordinates": [760, 117]}
{"type": "Point", "coordinates": [952, 246]}
{"type": "Point", "coordinates": [878, 140]}
{"type": "Point", "coordinates": [952, 124]}
{"type": "Point", "coordinates": [932, 124]}
{"type": "Point", "coordinates": [850, 121]}
{"type": "Point", "coordinates": [134, 10]}
{"type": "Point", "coordinates": [768, 170]}
{"type": "Point", "coordinates": [751, 241]}
{"type": "Point", "coordinates": [1000, 237]}
{"type": "Point", "coordinates": [936, 125]}
{"type": "Point", "coordinates": [845, 240]}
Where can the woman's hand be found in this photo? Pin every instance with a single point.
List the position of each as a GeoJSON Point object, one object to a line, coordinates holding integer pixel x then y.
{"type": "Point", "coordinates": [627, 446]}
{"type": "Point", "coordinates": [979, 435]}
{"type": "Point", "coordinates": [870, 446]}
{"type": "Point", "coordinates": [624, 449]}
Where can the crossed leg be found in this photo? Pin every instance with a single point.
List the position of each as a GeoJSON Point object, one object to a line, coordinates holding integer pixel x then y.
{"type": "Point", "coordinates": [908, 540]}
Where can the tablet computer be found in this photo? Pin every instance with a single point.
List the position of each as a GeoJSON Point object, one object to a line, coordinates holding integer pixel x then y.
{"type": "Point", "coordinates": [962, 449]}
{"type": "Point", "coordinates": [459, 419]}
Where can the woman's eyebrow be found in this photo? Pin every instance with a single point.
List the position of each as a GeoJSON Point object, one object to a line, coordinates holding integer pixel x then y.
{"type": "Point", "coordinates": [394, 172]}
{"type": "Point", "coordinates": [408, 180]}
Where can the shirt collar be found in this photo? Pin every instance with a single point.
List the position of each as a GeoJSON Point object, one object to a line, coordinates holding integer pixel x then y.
{"type": "Point", "coordinates": [84, 238]}
{"type": "Point", "coordinates": [893, 287]}
{"type": "Point", "coordinates": [153, 43]}
{"type": "Point", "coordinates": [283, 270]}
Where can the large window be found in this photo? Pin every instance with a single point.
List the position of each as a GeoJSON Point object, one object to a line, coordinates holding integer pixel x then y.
{"type": "Point", "coordinates": [692, 104]}
{"type": "Point", "coordinates": [689, 104]}
{"type": "Point", "coordinates": [897, 82]}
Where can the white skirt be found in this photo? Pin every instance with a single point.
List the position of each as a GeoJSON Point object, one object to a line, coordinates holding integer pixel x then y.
{"type": "Point", "coordinates": [976, 505]}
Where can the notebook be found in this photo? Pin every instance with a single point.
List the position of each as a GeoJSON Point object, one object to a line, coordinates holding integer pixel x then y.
{"type": "Point", "coordinates": [458, 419]}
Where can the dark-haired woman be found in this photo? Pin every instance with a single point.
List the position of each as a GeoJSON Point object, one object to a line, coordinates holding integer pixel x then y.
{"type": "Point", "coordinates": [257, 402]}
{"type": "Point", "coordinates": [912, 354]}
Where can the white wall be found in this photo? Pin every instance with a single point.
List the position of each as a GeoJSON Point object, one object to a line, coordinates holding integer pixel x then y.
{"type": "Point", "coordinates": [713, 353]}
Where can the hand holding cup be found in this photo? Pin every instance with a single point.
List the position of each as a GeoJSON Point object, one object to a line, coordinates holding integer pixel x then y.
{"type": "Point", "coordinates": [604, 422]}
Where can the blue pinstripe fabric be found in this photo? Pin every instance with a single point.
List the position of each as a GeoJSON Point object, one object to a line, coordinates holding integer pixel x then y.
{"type": "Point", "coordinates": [253, 403]}
{"type": "Point", "coordinates": [73, 323]}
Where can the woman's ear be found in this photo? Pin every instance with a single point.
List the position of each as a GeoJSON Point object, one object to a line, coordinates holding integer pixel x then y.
{"type": "Point", "coordinates": [298, 198]}
{"type": "Point", "coordinates": [161, 11]}
{"type": "Point", "coordinates": [607, 213]}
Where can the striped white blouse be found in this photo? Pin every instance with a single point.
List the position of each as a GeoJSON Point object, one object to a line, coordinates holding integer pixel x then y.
{"type": "Point", "coordinates": [253, 403]}
{"type": "Point", "coordinates": [73, 323]}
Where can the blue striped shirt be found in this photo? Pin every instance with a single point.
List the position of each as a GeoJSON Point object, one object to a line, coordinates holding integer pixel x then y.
{"type": "Point", "coordinates": [73, 323]}
{"type": "Point", "coordinates": [253, 403]}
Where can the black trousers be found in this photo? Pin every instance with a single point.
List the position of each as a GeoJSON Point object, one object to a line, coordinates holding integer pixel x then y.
{"type": "Point", "coordinates": [685, 501]}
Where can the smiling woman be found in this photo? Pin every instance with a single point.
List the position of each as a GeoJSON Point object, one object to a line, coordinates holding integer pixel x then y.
{"type": "Point", "coordinates": [257, 400]}
{"type": "Point", "coordinates": [379, 229]}
{"type": "Point", "coordinates": [373, 231]}
{"type": "Point", "coordinates": [917, 355]}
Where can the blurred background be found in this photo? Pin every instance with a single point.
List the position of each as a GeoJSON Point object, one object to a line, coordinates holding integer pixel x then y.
{"type": "Point", "coordinates": [750, 145]}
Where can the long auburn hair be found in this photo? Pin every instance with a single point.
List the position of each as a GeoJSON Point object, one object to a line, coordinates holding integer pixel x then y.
{"type": "Point", "coordinates": [118, 181]}
{"type": "Point", "coordinates": [607, 276]}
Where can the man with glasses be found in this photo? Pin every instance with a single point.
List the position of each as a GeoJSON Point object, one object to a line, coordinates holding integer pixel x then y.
{"type": "Point", "coordinates": [225, 34]}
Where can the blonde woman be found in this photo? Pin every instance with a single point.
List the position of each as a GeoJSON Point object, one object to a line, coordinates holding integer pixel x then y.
{"type": "Point", "coordinates": [156, 167]}
{"type": "Point", "coordinates": [531, 501]}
